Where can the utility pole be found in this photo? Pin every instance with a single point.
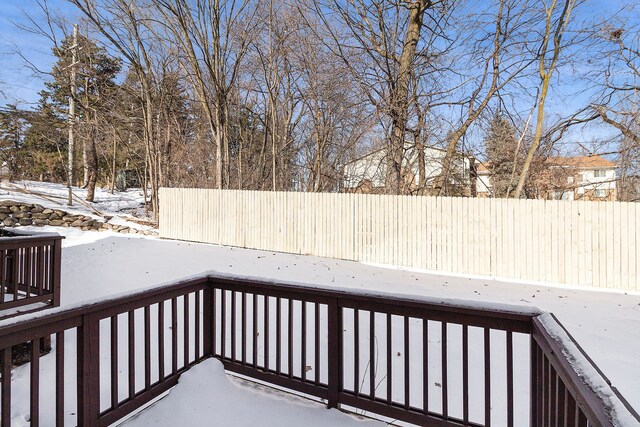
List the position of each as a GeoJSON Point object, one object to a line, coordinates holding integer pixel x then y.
{"type": "Point", "coordinates": [72, 112]}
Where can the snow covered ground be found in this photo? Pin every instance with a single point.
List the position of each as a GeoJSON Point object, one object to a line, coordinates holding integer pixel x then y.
{"type": "Point", "coordinates": [121, 207]}
{"type": "Point", "coordinates": [96, 265]}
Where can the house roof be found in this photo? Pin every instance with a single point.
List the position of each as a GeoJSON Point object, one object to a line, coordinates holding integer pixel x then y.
{"type": "Point", "coordinates": [582, 162]}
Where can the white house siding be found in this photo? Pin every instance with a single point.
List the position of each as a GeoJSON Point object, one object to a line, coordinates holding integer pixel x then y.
{"type": "Point", "coordinates": [373, 167]}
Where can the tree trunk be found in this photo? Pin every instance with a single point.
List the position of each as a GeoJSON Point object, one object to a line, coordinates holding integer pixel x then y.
{"type": "Point", "coordinates": [400, 101]}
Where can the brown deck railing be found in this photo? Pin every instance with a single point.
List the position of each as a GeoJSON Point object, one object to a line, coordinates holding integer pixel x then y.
{"type": "Point", "coordinates": [421, 362]}
{"type": "Point", "coordinates": [29, 269]}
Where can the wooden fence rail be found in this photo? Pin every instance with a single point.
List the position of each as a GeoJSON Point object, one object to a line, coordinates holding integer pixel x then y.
{"type": "Point", "coordinates": [594, 244]}
{"type": "Point", "coordinates": [424, 362]}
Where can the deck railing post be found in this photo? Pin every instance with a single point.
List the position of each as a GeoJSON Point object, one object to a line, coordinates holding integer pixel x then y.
{"type": "Point", "coordinates": [55, 272]}
{"type": "Point", "coordinates": [334, 349]}
{"type": "Point", "coordinates": [88, 371]}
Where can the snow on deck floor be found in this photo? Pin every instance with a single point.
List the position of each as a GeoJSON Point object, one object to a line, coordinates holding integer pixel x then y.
{"type": "Point", "coordinates": [205, 395]}
{"type": "Point", "coordinates": [606, 324]}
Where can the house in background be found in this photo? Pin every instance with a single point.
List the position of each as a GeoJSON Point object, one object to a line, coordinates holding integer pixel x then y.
{"type": "Point", "coordinates": [570, 178]}
{"type": "Point", "coordinates": [367, 174]}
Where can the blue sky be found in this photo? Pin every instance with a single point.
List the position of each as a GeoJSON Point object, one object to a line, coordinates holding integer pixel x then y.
{"type": "Point", "coordinates": [20, 85]}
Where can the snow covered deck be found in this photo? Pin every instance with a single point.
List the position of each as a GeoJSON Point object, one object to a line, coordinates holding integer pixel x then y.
{"type": "Point", "coordinates": [606, 324]}
{"type": "Point", "coordinates": [207, 396]}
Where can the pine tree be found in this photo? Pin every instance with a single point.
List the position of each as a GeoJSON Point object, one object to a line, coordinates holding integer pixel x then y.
{"type": "Point", "coordinates": [43, 153]}
{"type": "Point", "coordinates": [501, 144]}
{"type": "Point", "coordinates": [96, 71]}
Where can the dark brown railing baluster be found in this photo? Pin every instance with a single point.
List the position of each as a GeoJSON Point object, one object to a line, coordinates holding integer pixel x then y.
{"type": "Point", "coordinates": [544, 414]}
{"type": "Point", "coordinates": [161, 340]}
{"type": "Point", "coordinates": [244, 327]}
{"type": "Point", "coordinates": [186, 343]}
{"type": "Point", "coordinates": [582, 418]}
{"type": "Point", "coordinates": [266, 332]}
{"type": "Point", "coordinates": [389, 362]}
{"type": "Point", "coordinates": [54, 264]}
{"type": "Point", "coordinates": [553, 401]}
{"type": "Point", "coordinates": [35, 384]}
{"type": "Point", "coordinates": [174, 336]}
{"type": "Point", "coordinates": [487, 377]}
{"type": "Point", "coordinates": [233, 325]}
{"type": "Point", "coordinates": [334, 352]}
{"type": "Point", "coordinates": [3, 273]}
{"type": "Point", "coordinates": [223, 323]}
{"type": "Point", "coordinates": [510, 379]}
{"type": "Point", "coordinates": [303, 341]}
{"type": "Point", "coordinates": [131, 331]}
{"type": "Point", "coordinates": [372, 355]}
{"type": "Point", "coordinates": [214, 322]}
{"type": "Point", "coordinates": [147, 347]}
{"type": "Point", "coordinates": [561, 411]}
{"type": "Point", "coordinates": [465, 374]}
{"type": "Point", "coordinates": [27, 272]}
{"type": "Point", "coordinates": [6, 387]}
{"type": "Point", "coordinates": [278, 335]}
{"type": "Point", "coordinates": [197, 311]}
{"type": "Point", "coordinates": [16, 272]}
{"type": "Point", "coordinates": [114, 361]}
{"type": "Point", "coordinates": [540, 375]}
{"type": "Point", "coordinates": [445, 395]}
{"type": "Point", "coordinates": [425, 366]}
{"type": "Point", "coordinates": [60, 397]}
{"type": "Point", "coordinates": [316, 338]}
{"type": "Point", "coordinates": [356, 352]}
{"type": "Point", "coordinates": [41, 272]}
{"type": "Point", "coordinates": [290, 305]}
{"type": "Point", "coordinates": [407, 399]}
{"type": "Point", "coordinates": [571, 418]}
{"type": "Point", "coordinates": [254, 331]}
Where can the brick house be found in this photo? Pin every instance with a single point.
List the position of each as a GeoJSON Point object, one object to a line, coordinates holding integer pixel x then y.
{"type": "Point", "coordinates": [569, 178]}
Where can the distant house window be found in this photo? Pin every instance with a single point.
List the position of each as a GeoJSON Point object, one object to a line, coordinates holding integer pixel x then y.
{"type": "Point", "coordinates": [600, 193]}
{"type": "Point", "coordinates": [562, 195]}
{"type": "Point", "coordinates": [599, 173]}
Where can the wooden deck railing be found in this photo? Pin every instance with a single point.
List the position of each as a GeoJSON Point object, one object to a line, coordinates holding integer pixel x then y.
{"type": "Point", "coordinates": [29, 269]}
{"type": "Point", "coordinates": [418, 361]}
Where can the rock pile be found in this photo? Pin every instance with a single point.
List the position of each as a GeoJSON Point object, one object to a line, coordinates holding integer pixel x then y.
{"type": "Point", "coordinates": [14, 214]}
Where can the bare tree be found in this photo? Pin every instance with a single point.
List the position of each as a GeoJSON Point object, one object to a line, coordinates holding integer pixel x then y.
{"type": "Point", "coordinates": [214, 37]}
{"type": "Point", "coordinates": [555, 27]}
{"type": "Point", "coordinates": [504, 59]}
{"type": "Point", "coordinates": [123, 24]}
{"type": "Point", "coordinates": [382, 43]}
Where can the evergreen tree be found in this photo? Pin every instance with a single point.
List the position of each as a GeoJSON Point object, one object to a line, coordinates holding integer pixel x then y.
{"type": "Point", "coordinates": [43, 154]}
{"type": "Point", "coordinates": [500, 144]}
{"type": "Point", "coordinates": [96, 91]}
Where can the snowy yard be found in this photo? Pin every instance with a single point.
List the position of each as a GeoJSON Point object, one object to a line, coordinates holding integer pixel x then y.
{"type": "Point", "coordinates": [96, 265]}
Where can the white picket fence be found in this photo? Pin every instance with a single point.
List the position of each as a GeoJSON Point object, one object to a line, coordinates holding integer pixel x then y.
{"type": "Point", "coordinates": [568, 242]}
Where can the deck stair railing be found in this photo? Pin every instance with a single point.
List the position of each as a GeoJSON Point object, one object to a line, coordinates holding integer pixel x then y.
{"type": "Point", "coordinates": [29, 270]}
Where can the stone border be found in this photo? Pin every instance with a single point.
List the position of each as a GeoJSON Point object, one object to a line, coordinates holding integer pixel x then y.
{"type": "Point", "coordinates": [15, 214]}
